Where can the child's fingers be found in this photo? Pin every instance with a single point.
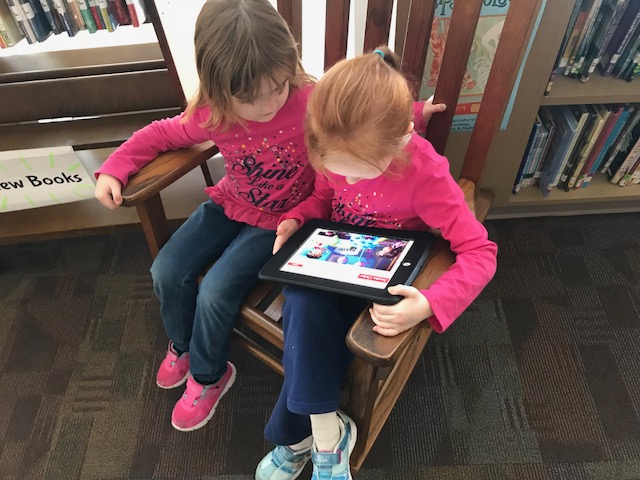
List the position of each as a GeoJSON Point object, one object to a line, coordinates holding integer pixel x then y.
{"type": "Point", "coordinates": [280, 239]}
{"type": "Point", "coordinates": [387, 332]}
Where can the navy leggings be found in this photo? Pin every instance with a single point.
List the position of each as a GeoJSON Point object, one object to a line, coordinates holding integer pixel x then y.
{"type": "Point", "coordinates": [315, 359]}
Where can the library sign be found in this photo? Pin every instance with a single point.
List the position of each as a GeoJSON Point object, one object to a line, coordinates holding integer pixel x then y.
{"type": "Point", "coordinates": [40, 177]}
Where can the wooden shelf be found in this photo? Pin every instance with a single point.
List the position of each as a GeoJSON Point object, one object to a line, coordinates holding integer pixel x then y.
{"type": "Point", "coordinates": [599, 89]}
{"type": "Point", "coordinates": [598, 190]}
{"type": "Point", "coordinates": [89, 216]}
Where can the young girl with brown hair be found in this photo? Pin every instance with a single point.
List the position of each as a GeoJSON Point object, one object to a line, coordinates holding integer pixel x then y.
{"type": "Point", "coordinates": [372, 169]}
{"type": "Point", "coordinates": [251, 102]}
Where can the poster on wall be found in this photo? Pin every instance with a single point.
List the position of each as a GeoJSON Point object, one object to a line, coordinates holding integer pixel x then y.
{"type": "Point", "coordinates": [483, 49]}
{"type": "Point", "coordinates": [40, 177]}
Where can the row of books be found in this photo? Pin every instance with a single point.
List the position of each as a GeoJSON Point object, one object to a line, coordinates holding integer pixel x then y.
{"type": "Point", "coordinates": [603, 36]}
{"type": "Point", "coordinates": [36, 20]}
{"type": "Point", "coordinates": [568, 145]}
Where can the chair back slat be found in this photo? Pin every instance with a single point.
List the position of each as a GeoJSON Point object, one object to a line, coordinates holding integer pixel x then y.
{"type": "Point", "coordinates": [291, 11]}
{"type": "Point", "coordinates": [518, 24]}
{"type": "Point", "coordinates": [337, 31]}
{"type": "Point", "coordinates": [378, 23]}
{"type": "Point", "coordinates": [464, 20]}
{"type": "Point", "coordinates": [416, 41]}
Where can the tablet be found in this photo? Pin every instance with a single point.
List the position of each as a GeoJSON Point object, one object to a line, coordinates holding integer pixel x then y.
{"type": "Point", "coordinates": [347, 259]}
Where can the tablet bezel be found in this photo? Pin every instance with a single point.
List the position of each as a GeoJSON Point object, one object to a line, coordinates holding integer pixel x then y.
{"type": "Point", "coordinates": [416, 257]}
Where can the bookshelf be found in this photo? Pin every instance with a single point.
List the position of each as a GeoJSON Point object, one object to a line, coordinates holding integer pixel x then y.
{"type": "Point", "coordinates": [90, 91]}
{"type": "Point", "coordinates": [509, 146]}
{"type": "Point", "coordinates": [144, 62]}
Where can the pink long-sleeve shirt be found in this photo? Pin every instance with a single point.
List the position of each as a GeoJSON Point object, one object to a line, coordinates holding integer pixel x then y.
{"type": "Point", "coordinates": [266, 163]}
{"type": "Point", "coordinates": [424, 195]}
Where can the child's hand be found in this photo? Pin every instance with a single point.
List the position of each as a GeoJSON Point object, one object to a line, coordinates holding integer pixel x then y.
{"type": "Point", "coordinates": [108, 191]}
{"type": "Point", "coordinates": [391, 320]}
{"type": "Point", "coordinates": [285, 229]}
{"type": "Point", "coordinates": [429, 109]}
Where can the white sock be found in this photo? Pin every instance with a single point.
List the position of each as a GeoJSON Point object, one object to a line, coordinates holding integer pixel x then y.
{"type": "Point", "coordinates": [326, 431]}
{"type": "Point", "coordinates": [303, 445]}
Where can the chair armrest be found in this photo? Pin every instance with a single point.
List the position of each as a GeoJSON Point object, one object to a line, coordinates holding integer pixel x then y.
{"type": "Point", "coordinates": [383, 351]}
{"type": "Point", "coordinates": [165, 169]}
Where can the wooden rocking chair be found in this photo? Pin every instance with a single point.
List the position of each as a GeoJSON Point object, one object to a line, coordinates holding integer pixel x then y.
{"type": "Point", "coordinates": [382, 365]}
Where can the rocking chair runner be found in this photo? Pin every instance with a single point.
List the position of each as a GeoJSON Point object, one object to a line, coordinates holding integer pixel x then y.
{"type": "Point", "coordinates": [382, 364]}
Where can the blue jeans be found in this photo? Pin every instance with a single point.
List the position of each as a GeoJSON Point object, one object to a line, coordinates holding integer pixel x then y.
{"type": "Point", "coordinates": [315, 358]}
{"type": "Point", "coordinates": [199, 318]}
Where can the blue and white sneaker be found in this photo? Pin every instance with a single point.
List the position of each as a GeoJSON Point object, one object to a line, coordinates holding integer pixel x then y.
{"type": "Point", "coordinates": [282, 463]}
{"type": "Point", "coordinates": [335, 465]}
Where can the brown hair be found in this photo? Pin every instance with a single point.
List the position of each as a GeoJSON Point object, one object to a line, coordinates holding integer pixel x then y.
{"type": "Point", "coordinates": [361, 106]}
{"type": "Point", "coordinates": [238, 44]}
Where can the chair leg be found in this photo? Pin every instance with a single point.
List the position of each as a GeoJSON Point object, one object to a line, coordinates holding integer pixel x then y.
{"type": "Point", "coordinates": [376, 391]}
{"type": "Point", "coordinates": [154, 223]}
{"type": "Point", "coordinates": [207, 174]}
{"type": "Point", "coordinates": [363, 389]}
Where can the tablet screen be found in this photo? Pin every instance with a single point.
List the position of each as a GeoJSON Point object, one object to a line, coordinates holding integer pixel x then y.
{"type": "Point", "coordinates": [357, 258]}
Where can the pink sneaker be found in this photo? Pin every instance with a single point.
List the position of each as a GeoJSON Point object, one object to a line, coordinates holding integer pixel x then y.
{"type": "Point", "coordinates": [174, 369]}
{"type": "Point", "coordinates": [199, 402]}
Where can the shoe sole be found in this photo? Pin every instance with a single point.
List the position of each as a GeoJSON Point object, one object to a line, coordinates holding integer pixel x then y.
{"type": "Point", "coordinates": [181, 382]}
{"type": "Point", "coordinates": [230, 383]}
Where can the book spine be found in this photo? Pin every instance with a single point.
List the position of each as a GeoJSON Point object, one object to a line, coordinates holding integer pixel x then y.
{"type": "Point", "coordinates": [620, 175]}
{"type": "Point", "coordinates": [21, 21]}
{"type": "Point", "coordinates": [586, 152]}
{"type": "Point", "coordinates": [595, 19]}
{"type": "Point", "coordinates": [613, 26]}
{"type": "Point", "coordinates": [103, 6]}
{"type": "Point", "coordinates": [620, 47]}
{"type": "Point", "coordinates": [95, 13]}
{"type": "Point", "coordinates": [11, 33]}
{"type": "Point", "coordinates": [67, 21]}
{"type": "Point", "coordinates": [135, 21]}
{"type": "Point", "coordinates": [121, 13]}
{"type": "Point", "coordinates": [86, 16]}
{"type": "Point", "coordinates": [46, 8]}
{"type": "Point", "coordinates": [74, 10]}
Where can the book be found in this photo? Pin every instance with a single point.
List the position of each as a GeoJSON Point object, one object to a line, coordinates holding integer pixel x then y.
{"type": "Point", "coordinates": [626, 154]}
{"type": "Point", "coordinates": [107, 17]}
{"type": "Point", "coordinates": [617, 153]}
{"type": "Point", "coordinates": [634, 69]}
{"type": "Point", "coordinates": [54, 21]}
{"type": "Point", "coordinates": [74, 10]}
{"type": "Point", "coordinates": [563, 53]}
{"type": "Point", "coordinates": [620, 38]}
{"type": "Point", "coordinates": [630, 165]}
{"type": "Point", "coordinates": [550, 125]}
{"type": "Point", "coordinates": [600, 117]}
{"type": "Point", "coordinates": [572, 42]}
{"type": "Point", "coordinates": [9, 31]}
{"type": "Point", "coordinates": [628, 54]}
{"type": "Point", "coordinates": [36, 19]}
{"type": "Point", "coordinates": [120, 11]}
{"type": "Point", "coordinates": [21, 21]}
{"type": "Point", "coordinates": [67, 20]}
{"type": "Point", "coordinates": [133, 13]}
{"type": "Point", "coordinates": [85, 11]}
{"type": "Point", "coordinates": [538, 150]}
{"type": "Point", "coordinates": [612, 116]}
{"type": "Point", "coordinates": [97, 18]}
{"type": "Point", "coordinates": [485, 41]}
{"type": "Point", "coordinates": [563, 141]}
{"type": "Point", "coordinates": [525, 160]}
{"type": "Point", "coordinates": [593, 22]}
{"type": "Point", "coordinates": [584, 116]}
{"type": "Point", "coordinates": [613, 11]}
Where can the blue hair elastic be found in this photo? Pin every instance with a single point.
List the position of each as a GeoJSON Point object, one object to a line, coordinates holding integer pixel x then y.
{"type": "Point", "coordinates": [379, 52]}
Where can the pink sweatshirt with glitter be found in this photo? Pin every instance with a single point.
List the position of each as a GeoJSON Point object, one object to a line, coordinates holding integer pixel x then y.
{"type": "Point", "coordinates": [424, 195]}
{"type": "Point", "coordinates": [267, 165]}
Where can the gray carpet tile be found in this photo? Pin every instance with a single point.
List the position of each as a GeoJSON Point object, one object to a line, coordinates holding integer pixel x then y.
{"type": "Point", "coordinates": [538, 379]}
